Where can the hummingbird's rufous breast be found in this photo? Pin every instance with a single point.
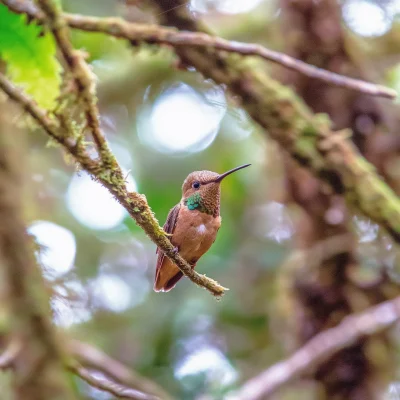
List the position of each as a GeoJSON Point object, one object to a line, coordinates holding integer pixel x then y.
{"type": "Point", "coordinates": [194, 234]}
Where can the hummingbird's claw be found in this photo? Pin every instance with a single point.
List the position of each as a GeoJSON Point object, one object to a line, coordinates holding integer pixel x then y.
{"type": "Point", "coordinates": [176, 250]}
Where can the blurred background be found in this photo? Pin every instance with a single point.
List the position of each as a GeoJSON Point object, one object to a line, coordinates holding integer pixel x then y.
{"type": "Point", "coordinates": [162, 123]}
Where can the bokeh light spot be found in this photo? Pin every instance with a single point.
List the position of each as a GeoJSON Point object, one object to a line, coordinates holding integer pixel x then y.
{"type": "Point", "coordinates": [110, 292]}
{"type": "Point", "coordinates": [182, 120]}
{"type": "Point", "coordinates": [92, 204]}
{"type": "Point", "coordinates": [225, 6]}
{"type": "Point", "coordinates": [272, 221]}
{"type": "Point", "coordinates": [66, 315]}
{"type": "Point", "coordinates": [210, 361]}
{"type": "Point", "coordinates": [366, 18]}
{"type": "Point", "coordinates": [367, 230]}
{"type": "Point", "coordinates": [58, 248]}
{"type": "Point", "coordinates": [69, 303]}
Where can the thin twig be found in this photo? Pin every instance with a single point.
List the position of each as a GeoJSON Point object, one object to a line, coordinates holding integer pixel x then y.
{"type": "Point", "coordinates": [80, 71]}
{"type": "Point", "coordinates": [155, 34]}
{"type": "Point", "coordinates": [134, 203]}
{"type": "Point", "coordinates": [320, 348]}
{"type": "Point", "coordinates": [93, 358]}
{"type": "Point", "coordinates": [106, 385]}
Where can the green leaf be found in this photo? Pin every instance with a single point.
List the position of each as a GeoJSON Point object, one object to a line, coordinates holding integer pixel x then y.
{"type": "Point", "coordinates": [30, 57]}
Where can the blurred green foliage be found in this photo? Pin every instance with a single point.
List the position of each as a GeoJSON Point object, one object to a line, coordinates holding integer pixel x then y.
{"type": "Point", "coordinates": [30, 57]}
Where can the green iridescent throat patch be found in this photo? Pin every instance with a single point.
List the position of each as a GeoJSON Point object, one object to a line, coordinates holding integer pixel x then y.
{"type": "Point", "coordinates": [195, 202]}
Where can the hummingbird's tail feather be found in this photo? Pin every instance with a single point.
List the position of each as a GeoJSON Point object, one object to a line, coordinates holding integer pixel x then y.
{"type": "Point", "coordinates": [173, 281]}
{"type": "Point", "coordinates": [160, 286]}
{"type": "Point", "coordinates": [167, 276]}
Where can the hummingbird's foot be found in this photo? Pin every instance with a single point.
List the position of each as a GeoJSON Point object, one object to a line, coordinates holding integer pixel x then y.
{"type": "Point", "coordinates": [175, 250]}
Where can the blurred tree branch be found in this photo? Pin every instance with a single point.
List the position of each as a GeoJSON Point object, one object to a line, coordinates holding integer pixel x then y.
{"type": "Point", "coordinates": [93, 358]}
{"type": "Point", "coordinates": [118, 380]}
{"type": "Point", "coordinates": [160, 35]}
{"type": "Point", "coordinates": [10, 353]}
{"type": "Point", "coordinates": [117, 390]}
{"type": "Point", "coordinates": [320, 348]}
{"type": "Point", "coordinates": [35, 352]}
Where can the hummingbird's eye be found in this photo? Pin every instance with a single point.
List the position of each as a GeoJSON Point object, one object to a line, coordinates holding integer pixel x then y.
{"type": "Point", "coordinates": [196, 185]}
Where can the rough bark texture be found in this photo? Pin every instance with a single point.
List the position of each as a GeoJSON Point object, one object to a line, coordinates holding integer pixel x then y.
{"type": "Point", "coordinates": [38, 367]}
{"type": "Point", "coordinates": [315, 35]}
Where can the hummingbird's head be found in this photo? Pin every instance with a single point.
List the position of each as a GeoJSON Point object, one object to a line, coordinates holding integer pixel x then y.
{"type": "Point", "coordinates": [202, 189]}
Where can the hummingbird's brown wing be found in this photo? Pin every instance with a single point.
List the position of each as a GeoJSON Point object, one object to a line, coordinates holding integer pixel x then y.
{"type": "Point", "coordinates": [168, 227]}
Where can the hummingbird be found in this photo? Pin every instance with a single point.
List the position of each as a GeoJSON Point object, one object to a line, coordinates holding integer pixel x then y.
{"type": "Point", "coordinates": [193, 224]}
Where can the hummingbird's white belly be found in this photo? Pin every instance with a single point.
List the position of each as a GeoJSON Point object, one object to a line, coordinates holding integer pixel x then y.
{"type": "Point", "coordinates": [201, 229]}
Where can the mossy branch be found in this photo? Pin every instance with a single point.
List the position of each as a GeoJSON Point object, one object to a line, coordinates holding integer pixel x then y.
{"type": "Point", "coordinates": [154, 34]}
{"type": "Point", "coordinates": [307, 137]}
{"type": "Point", "coordinates": [134, 203]}
{"type": "Point", "coordinates": [81, 74]}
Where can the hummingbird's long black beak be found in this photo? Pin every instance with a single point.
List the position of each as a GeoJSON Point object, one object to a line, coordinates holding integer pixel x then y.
{"type": "Point", "coordinates": [222, 176]}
